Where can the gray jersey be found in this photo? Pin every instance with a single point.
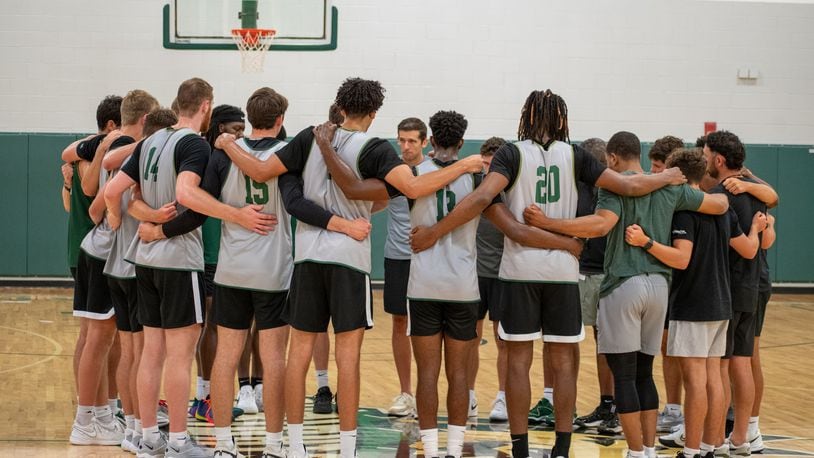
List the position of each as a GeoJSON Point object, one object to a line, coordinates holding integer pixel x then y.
{"type": "Point", "coordinates": [545, 178]}
{"type": "Point", "coordinates": [397, 244]}
{"type": "Point", "coordinates": [246, 259]}
{"type": "Point", "coordinates": [321, 245]}
{"type": "Point", "coordinates": [157, 179]}
{"type": "Point", "coordinates": [447, 271]}
{"type": "Point", "coordinates": [116, 266]}
{"type": "Point", "coordinates": [490, 249]}
{"type": "Point", "coordinates": [99, 240]}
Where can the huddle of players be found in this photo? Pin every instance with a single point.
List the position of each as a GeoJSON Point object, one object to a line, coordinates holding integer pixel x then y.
{"type": "Point", "coordinates": [260, 180]}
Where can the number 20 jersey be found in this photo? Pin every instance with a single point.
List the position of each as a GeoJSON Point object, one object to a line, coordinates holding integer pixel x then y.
{"type": "Point", "coordinates": [545, 178]}
{"type": "Point", "coordinates": [246, 259]}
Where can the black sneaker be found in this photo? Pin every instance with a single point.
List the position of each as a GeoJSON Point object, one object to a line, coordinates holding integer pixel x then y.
{"type": "Point", "coordinates": [322, 400]}
{"type": "Point", "coordinates": [594, 418]}
{"type": "Point", "coordinates": [610, 427]}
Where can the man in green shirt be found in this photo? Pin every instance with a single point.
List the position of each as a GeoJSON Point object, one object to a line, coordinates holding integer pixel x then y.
{"type": "Point", "coordinates": [633, 295]}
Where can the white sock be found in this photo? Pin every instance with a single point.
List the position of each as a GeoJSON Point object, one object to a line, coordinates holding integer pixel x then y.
{"type": "Point", "coordinates": [129, 421]}
{"type": "Point", "coordinates": [137, 426]}
{"type": "Point", "coordinates": [548, 393]}
{"type": "Point", "coordinates": [472, 396]}
{"type": "Point", "coordinates": [178, 439]}
{"type": "Point", "coordinates": [322, 378]}
{"type": "Point", "coordinates": [691, 452]}
{"type": "Point", "coordinates": [199, 389]}
{"type": "Point", "coordinates": [295, 438]}
{"type": "Point", "coordinates": [455, 440]}
{"type": "Point", "coordinates": [429, 438]}
{"type": "Point", "coordinates": [151, 434]}
{"type": "Point", "coordinates": [673, 409]}
{"type": "Point", "coordinates": [706, 448]}
{"type": "Point", "coordinates": [84, 415]}
{"type": "Point", "coordinates": [114, 405]}
{"type": "Point", "coordinates": [274, 441]}
{"type": "Point", "coordinates": [754, 425]}
{"type": "Point", "coordinates": [347, 444]}
{"type": "Point", "coordinates": [640, 453]}
{"type": "Point", "coordinates": [501, 395]}
{"type": "Point", "coordinates": [224, 437]}
{"type": "Point", "coordinates": [206, 390]}
{"type": "Point", "coordinates": [650, 452]}
{"type": "Point", "coordinates": [103, 414]}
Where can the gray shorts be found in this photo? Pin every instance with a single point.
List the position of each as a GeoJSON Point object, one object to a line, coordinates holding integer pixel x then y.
{"type": "Point", "coordinates": [589, 297]}
{"type": "Point", "coordinates": [631, 317]}
{"type": "Point", "coordinates": [697, 339]}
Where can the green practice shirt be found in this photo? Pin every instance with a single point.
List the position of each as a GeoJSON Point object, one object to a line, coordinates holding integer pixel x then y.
{"type": "Point", "coordinates": [654, 213]}
{"type": "Point", "coordinates": [79, 222]}
{"type": "Point", "coordinates": [211, 240]}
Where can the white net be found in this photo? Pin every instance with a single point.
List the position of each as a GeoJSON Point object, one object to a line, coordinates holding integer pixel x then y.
{"type": "Point", "coordinates": [253, 44]}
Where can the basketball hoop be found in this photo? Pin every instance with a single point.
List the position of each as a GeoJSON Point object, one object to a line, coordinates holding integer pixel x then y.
{"type": "Point", "coordinates": [253, 44]}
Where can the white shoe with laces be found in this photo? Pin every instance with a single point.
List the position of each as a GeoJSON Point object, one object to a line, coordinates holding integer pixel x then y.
{"type": "Point", "coordinates": [403, 405]}
{"type": "Point", "coordinates": [473, 405]}
{"type": "Point", "coordinates": [499, 411]}
{"type": "Point", "coordinates": [245, 400]}
{"type": "Point", "coordinates": [258, 396]}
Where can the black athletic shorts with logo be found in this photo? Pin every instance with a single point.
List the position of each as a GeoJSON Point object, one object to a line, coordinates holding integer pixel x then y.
{"type": "Point", "coordinates": [489, 298]}
{"type": "Point", "coordinates": [396, 275]}
{"type": "Point", "coordinates": [551, 311]}
{"type": "Point", "coordinates": [740, 336]}
{"type": "Point", "coordinates": [762, 301]}
{"type": "Point", "coordinates": [455, 319]}
{"type": "Point", "coordinates": [235, 308]}
{"type": "Point", "coordinates": [123, 292]}
{"type": "Point", "coordinates": [91, 295]}
{"type": "Point", "coordinates": [169, 299]}
{"type": "Point", "coordinates": [322, 293]}
{"type": "Point", "coordinates": [209, 278]}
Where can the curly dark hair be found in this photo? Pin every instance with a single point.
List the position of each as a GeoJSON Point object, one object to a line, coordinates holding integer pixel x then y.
{"type": "Point", "coordinates": [661, 150]}
{"type": "Point", "coordinates": [691, 161]}
{"type": "Point", "coordinates": [109, 109]}
{"type": "Point", "coordinates": [544, 113]}
{"type": "Point", "coordinates": [729, 146]}
{"type": "Point", "coordinates": [448, 128]}
{"type": "Point", "coordinates": [701, 141]}
{"type": "Point", "coordinates": [160, 118]}
{"type": "Point", "coordinates": [335, 115]}
{"type": "Point", "coordinates": [491, 145]}
{"type": "Point", "coordinates": [358, 97]}
{"type": "Point", "coordinates": [626, 145]}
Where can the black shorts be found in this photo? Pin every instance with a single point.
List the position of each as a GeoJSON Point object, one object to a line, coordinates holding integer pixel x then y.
{"type": "Point", "coordinates": [455, 319]}
{"type": "Point", "coordinates": [744, 299]}
{"type": "Point", "coordinates": [235, 308]}
{"type": "Point", "coordinates": [740, 337]}
{"type": "Point", "coordinates": [489, 298]}
{"type": "Point", "coordinates": [169, 299]}
{"type": "Point", "coordinates": [396, 275]}
{"type": "Point", "coordinates": [209, 278]}
{"type": "Point", "coordinates": [125, 303]}
{"type": "Point", "coordinates": [322, 293]}
{"type": "Point", "coordinates": [762, 301]}
{"type": "Point", "coordinates": [551, 311]}
{"type": "Point", "coordinates": [91, 295]}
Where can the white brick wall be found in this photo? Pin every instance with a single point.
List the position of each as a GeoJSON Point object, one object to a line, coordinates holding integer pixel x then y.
{"type": "Point", "coordinates": [651, 67]}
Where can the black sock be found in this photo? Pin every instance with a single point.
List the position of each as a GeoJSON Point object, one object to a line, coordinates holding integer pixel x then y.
{"type": "Point", "coordinates": [244, 381]}
{"type": "Point", "coordinates": [520, 445]}
{"type": "Point", "coordinates": [257, 381]}
{"type": "Point", "coordinates": [562, 444]}
{"type": "Point", "coordinates": [606, 402]}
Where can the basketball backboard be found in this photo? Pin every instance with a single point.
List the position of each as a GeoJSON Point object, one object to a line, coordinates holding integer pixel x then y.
{"type": "Point", "coordinates": [302, 25]}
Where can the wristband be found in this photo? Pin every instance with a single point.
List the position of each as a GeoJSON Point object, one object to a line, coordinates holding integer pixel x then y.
{"type": "Point", "coordinates": [647, 246]}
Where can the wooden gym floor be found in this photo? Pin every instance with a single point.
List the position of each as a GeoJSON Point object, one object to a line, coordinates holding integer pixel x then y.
{"type": "Point", "coordinates": [37, 336]}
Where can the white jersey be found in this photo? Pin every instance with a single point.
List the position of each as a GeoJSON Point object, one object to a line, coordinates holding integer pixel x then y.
{"type": "Point", "coordinates": [545, 178]}
{"type": "Point", "coordinates": [246, 259]}
{"type": "Point", "coordinates": [448, 270]}
{"type": "Point", "coordinates": [98, 242]}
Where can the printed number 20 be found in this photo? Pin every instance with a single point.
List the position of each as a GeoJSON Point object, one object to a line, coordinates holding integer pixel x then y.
{"type": "Point", "coordinates": [548, 185]}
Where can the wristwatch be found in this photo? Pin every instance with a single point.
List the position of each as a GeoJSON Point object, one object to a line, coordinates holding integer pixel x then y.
{"type": "Point", "coordinates": [647, 246]}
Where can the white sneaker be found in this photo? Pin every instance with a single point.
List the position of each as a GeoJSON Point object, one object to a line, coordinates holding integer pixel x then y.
{"type": "Point", "coordinates": [188, 450]}
{"type": "Point", "coordinates": [231, 452]}
{"type": "Point", "coordinates": [722, 451]}
{"type": "Point", "coordinates": [95, 433]}
{"type": "Point", "coordinates": [127, 442]}
{"type": "Point", "coordinates": [148, 449]}
{"type": "Point", "coordinates": [499, 412]}
{"type": "Point", "coordinates": [675, 439]}
{"type": "Point", "coordinates": [756, 442]}
{"type": "Point", "coordinates": [298, 454]}
{"type": "Point", "coordinates": [740, 450]}
{"type": "Point", "coordinates": [473, 405]}
{"type": "Point", "coordinates": [258, 396]}
{"type": "Point", "coordinates": [282, 453]}
{"type": "Point", "coordinates": [245, 400]}
{"type": "Point", "coordinates": [162, 414]}
{"type": "Point", "coordinates": [403, 405]}
{"type": "Point", "coordinates": [668, 420]}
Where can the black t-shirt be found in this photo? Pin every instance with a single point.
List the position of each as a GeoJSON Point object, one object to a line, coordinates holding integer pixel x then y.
{"type": "Point", "coordinates": [592, 260]}
{"type": "Point", "coordinates": [701, 292]}
{"type": "Point", "coordinates": [745, 273]}
{"type": "Point", "coordinates": [376, 159]}
{"type": "Point", "coordinates": [506, 162]}
{"type": "Point", "coordinates": [86, 149]}
{"type": "Point", "coordinates": [191, 155]}
{"type": "Point", "coordinates": [765, 284]}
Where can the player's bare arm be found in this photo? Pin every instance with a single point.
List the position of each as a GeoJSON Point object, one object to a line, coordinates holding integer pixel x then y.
{"type": "Point", "coordinates": [117, 186]}
{"type": "Point", "coordinates": [589, 226]}
{"type": "Point", "coordinates": [639, 184]}
{"type": "Point", "coordinates": [747, 245]}
{"type": "Point", "coordinates": [97, 207]}
{"type": "Point", "coordinates": [258, 170]}
{"type": "Point", "coordinates": [714, 204]}
{"type": "Point", "coordinates": [676, 256]}
{"type": "Point", "coordinates": [190, 195]}
{"type": "Point", "coordinates": [353, 187]}
{"type": "Point", "coordinates": [67, 177]}
{"type": "Point", "coordinates": [402, 178]}
{"type": "Point", "coordinates": [769, 234]}
{"type": "Point", "coordinates": [761, 191]}
{"type": "Point", "coordinates": [115, 158]}
{"type": "Point", "coordinates": [530, 236]}
{"type": "Point", "coordinates": [90, 185]}
{"type": "Point", "coordinates": [422, 237]}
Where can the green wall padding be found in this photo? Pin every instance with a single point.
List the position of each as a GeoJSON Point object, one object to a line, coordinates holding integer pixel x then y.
{"type": "Point", "coordinates": [13, 204]}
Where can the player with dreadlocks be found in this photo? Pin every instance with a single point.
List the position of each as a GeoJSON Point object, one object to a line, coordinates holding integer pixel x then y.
{"type": "Point", "coordinates": [540, 170]}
